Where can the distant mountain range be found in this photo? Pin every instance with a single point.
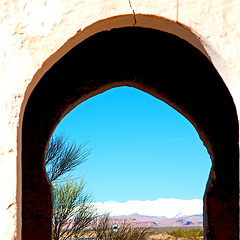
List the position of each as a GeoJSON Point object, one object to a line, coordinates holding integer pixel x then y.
{"type": "Point", "coordinates": [163, 208]}
{"type": "Point", "coordinates": [154, 222]}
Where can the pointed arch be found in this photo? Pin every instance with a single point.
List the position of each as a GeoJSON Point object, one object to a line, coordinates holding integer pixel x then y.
{"type": "Point", "coordinates": [160, 63]}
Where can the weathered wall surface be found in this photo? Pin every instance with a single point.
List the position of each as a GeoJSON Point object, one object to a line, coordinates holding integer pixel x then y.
{"type": "Point", "coordinates": [35, 34]}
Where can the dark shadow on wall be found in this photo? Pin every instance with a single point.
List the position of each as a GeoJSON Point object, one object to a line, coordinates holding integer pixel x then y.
{"type": "Point", "coordinates": [161, 64]}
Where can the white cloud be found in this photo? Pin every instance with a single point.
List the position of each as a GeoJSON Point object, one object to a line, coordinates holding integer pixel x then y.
{"type": "Point", "coordinates": [161, 207]}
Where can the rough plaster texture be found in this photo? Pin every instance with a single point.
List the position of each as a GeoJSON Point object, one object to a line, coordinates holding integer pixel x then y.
{"type": "Point", "coordinates": [36, 34]}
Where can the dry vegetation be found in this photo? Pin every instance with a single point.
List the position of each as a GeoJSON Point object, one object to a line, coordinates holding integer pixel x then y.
{"type": "Point", "coordinates": [102, 230]}
{"type": "Point", "coordinates": [176, 234]}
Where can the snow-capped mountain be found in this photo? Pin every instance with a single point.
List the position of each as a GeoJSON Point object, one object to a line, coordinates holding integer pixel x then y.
{"type": "Point", "coordinates": [169, 208]}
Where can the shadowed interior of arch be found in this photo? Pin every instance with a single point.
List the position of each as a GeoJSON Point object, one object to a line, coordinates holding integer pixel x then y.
{"type": "Point", "coordinates": [158, 63]}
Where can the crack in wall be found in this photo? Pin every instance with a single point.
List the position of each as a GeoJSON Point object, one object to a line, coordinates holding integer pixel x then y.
{"type": "Point", "coordinates": [134, 14]}
{"type": "Point", "coordinates": [177, 11]}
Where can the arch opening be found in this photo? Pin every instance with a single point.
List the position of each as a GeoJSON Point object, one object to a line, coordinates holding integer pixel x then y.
{"type": "Point", "coordinates": [140, 143]}
{"type": "Point", "coordinates": [158, 63]}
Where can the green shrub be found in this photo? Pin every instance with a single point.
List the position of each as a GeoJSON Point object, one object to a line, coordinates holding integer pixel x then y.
{"type": "Point", "coordinates": [187, 233]}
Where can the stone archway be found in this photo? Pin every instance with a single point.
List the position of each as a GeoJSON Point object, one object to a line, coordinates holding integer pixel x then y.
{"type": "Point", "coordinates": [161, 64]}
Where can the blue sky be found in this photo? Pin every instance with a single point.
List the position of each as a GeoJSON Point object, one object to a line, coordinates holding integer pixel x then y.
{"type": "Point", "coordinates": [143, 148]}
